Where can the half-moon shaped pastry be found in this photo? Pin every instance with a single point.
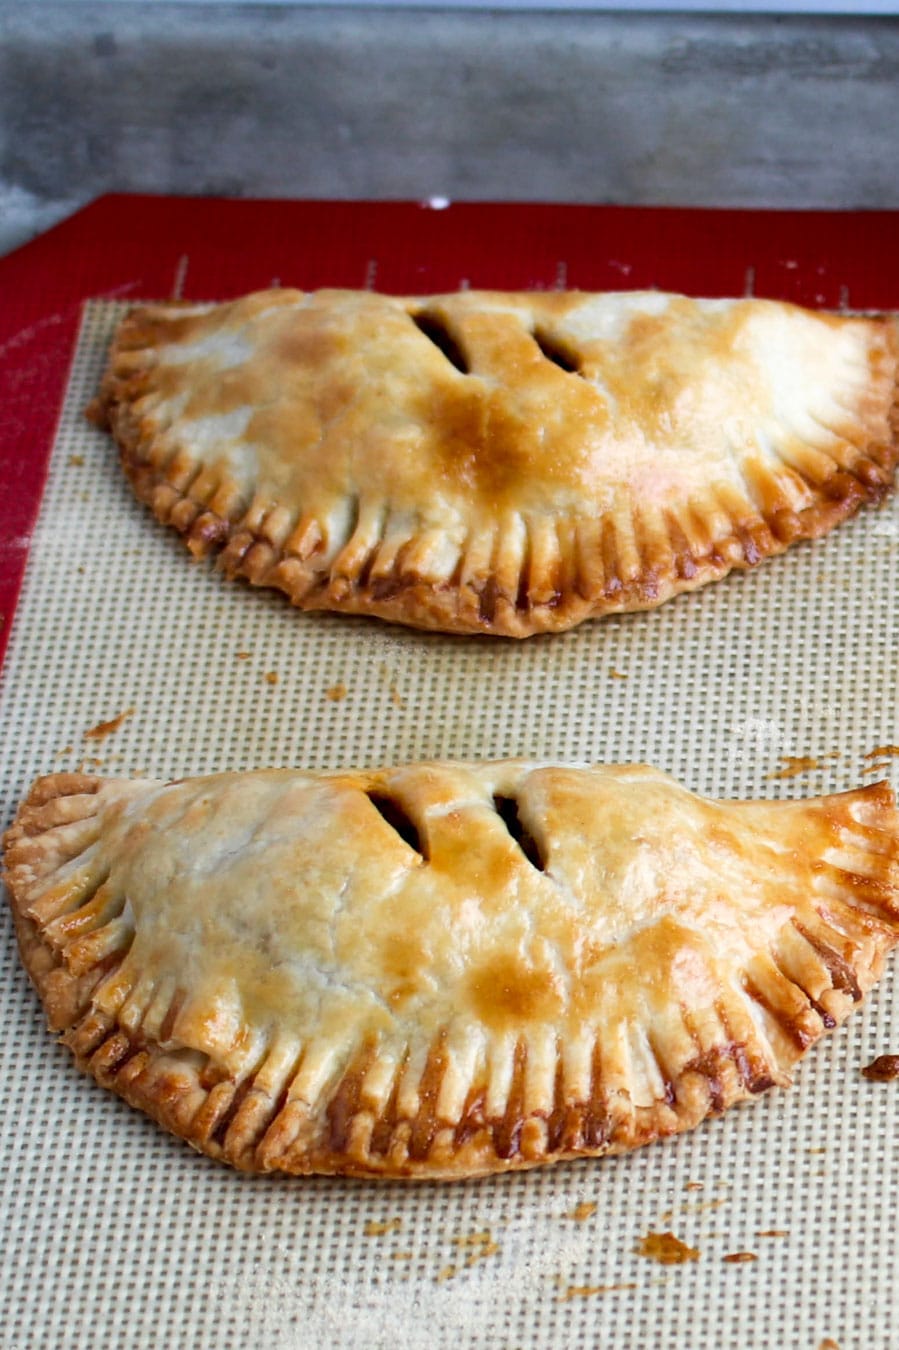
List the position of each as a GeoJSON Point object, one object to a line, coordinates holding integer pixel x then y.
{"type": "Point", "coordinates": [499, 463]}
{"type": "Point", "coordinates": [444, 970]}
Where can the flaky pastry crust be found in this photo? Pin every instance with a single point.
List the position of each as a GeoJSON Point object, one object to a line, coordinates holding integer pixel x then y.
{"type": "Point", "coordinates": [499, 463]}
{"type": "Point", "coordinates": [444, 970]}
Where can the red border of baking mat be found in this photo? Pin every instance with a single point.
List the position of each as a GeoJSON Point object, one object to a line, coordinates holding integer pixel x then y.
{"type": "Point", "coordinates": [126, 247]}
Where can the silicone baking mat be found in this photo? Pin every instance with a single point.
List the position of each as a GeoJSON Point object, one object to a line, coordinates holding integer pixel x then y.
{"type": "Point", "coordinates": [782, 682]}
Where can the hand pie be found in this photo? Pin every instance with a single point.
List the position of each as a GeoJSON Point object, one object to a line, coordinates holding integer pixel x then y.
{"type": "Point", "coordinates": [499, 463]}
{"type": "Point", "coordinates": [444, 970]}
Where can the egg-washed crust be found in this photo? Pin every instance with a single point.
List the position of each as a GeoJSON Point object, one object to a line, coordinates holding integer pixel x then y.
{"type": "Point", "coordinates": [443, 971]}
{"type": "Point", "coordinates": [501, 463]}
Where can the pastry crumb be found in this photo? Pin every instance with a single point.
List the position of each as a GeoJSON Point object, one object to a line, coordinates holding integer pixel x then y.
{"type": "Point", "coordinates": [697, 1208]}
{"type": "Point", "coordinates": [104, 729]}
{"type": "Point", "coordinates": [76, 461]}
{"type": "Point", "coordinates": [738, 1258]}
{"type": "Point", "coordinates": [374, 1228]}
{"type": "Point", "coordinates": [481, 1244]}
{"type": "Point", "coordinates": [396, 697]}
{"type": "Point", "coordinates": [583, 1211]}
{"type": "Point", "coordinates": [667, 1249]}
{"type": "Point", "coordinates": [271, 677]}
{"type": "Point", "coordinates": [773, 1232]}
{"type": "Point", "coordinates": [491, 1249]}
{"type": "Point", "coordinates": [241, 656]}
{"type": "Point", "coordinates": [881, 755]}
{"type": "Point", "coordinates": [336, 692]}
{"type": "Point", "coordinates": [795, 764]}
{"type": "Point", "coordinates": [617, 674]}
{"type": "Point", "coordinates": [446, 1273]}
{"type": "Point", "coordinates": [883, 1069]}
{"type": "Point", "coordinates": [66, 750]}
{"type": "Point", "coordinates": [474, 1239]}
{"type": "Point", "coordinates": [589, 1290]}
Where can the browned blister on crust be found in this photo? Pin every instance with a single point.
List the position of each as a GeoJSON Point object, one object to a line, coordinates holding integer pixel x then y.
{"type": "Point", "coordinates": [502, 463]}
{"type": "Point", "coordinates": [444, 970]}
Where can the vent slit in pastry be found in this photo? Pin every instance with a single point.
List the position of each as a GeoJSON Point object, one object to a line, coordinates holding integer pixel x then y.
{"type": "Point", "coordinates": [259, 962]}
{"type": "Point", "coordinates": [392, 812]}
{"type": "Point", "coordinates": [436, 331]}
{"type": "Point", "coordinates": [519, 502]}
{"type": "Point", "coordinates": [559, 353]}
{"type": "Point", "coordinates": [507, 810]}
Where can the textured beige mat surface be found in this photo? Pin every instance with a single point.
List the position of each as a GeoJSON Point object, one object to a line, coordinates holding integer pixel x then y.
{"type": "Point", "coordinates": [112, 1230]}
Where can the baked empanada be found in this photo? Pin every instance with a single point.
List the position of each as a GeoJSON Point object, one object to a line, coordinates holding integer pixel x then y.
{"type": "Point", "coordinates": [444, 970]}
{"type": "Point", "coordinates": [499, 463]}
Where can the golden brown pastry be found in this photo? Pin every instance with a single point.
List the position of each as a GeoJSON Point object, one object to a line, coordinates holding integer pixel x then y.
{"type": "Point", "coordinates": [444, 970]}
{"type": "Point", "coordinates": [499, 463]}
